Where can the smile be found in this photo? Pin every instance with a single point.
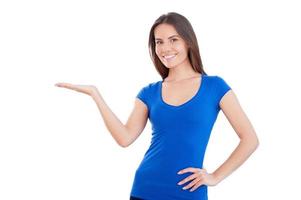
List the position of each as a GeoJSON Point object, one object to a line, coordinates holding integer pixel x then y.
{"type": "Point", "coordinates": [169, 57]}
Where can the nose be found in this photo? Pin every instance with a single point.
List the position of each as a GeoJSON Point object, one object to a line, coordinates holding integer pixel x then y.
{"type": "Point", "coordinates": [165, 47]}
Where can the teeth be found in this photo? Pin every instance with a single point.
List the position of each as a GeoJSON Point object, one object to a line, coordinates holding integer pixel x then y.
{"type": "Point", "coordinates": [171, 56]}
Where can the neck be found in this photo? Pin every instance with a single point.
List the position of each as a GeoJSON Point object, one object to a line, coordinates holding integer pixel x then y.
{"type": "Point", "coordinates": [181, 72]}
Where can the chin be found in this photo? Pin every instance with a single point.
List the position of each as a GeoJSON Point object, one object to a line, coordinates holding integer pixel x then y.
{"type": "Point", "coordinates": [170, 66]}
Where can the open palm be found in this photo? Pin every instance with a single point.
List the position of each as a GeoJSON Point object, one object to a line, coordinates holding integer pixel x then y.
{"type": "Point", "coordinates": [86, 89]}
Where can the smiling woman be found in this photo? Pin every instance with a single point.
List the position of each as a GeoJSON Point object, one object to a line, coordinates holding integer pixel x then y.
{"type": "Point", "coordinates": [172, 35]}
{"type": "Point", "coordinates": [182, 108]}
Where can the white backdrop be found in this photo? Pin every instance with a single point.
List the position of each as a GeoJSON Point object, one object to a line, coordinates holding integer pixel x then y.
{"type": "Point", "coordinates": [53, 141]}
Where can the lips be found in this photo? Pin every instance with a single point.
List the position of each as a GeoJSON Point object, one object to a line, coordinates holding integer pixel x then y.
{"type": "Point", "coordinates": [169, 57]}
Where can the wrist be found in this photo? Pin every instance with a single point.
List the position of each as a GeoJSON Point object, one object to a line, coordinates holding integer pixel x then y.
{"type": "Point", "coordinates": [95, 93]}
{"type": "Point", "coordinates": [217, 177]}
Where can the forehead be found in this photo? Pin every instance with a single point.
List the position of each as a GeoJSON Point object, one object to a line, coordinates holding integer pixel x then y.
{"type": "Point", "coordinates": [163, 31]}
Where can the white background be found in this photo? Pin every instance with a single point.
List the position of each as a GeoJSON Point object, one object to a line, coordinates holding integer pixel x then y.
{"type": "Point", "coordinates": [53, 141]}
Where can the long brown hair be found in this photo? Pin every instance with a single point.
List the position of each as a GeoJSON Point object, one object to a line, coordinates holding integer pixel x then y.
{"type": "Point", "coordinates": [185, 30]}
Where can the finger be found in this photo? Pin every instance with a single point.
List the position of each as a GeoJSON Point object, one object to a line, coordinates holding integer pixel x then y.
{"type": "Point", "coordinates": [61, 84]}
{"type": "Point", "coordinates": [192, 183]}
{"type": "Point", "coordinates": [66, 85]}
{"type": "Point", "coordinates": [203, 170]}
{"type": "Point", "coordinates": [191, 177]}
{"type": "Point", "coordinates": [198, 184]}
{"type": "Point", "coordinates": [189, 169]}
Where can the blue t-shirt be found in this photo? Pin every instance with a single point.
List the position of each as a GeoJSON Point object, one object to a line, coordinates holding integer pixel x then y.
{"type": "Point", "coordinates": [180, 135]}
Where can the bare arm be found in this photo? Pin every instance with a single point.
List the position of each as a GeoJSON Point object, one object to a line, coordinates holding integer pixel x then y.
{"type": "Point", "coordinates": [123, 134]}
{"type": "Point", "coordinates": [245, 131]}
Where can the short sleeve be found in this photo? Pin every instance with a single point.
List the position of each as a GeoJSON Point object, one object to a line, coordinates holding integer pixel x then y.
{"type": "Point", "coordinates": [222, 87]}
{"type": "Point", "coordinates": [143, 95]}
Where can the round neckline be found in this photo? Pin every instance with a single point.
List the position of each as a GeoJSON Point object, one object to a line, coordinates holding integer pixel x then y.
{"type": "Point", "coordinates": [188, 101]}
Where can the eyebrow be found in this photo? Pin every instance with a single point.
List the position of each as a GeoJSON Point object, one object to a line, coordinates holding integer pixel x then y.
{"type": "Point", "coordinates": [168, 37]}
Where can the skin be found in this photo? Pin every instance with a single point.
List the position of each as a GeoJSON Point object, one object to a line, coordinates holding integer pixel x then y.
{"type": "Point", "coordinates": [180, 73]}
{"type": "Point", "coordinates": [179, 69]}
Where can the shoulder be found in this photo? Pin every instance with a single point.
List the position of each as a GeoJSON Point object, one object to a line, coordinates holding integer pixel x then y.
{"type": "Point", "coordinates": [218, 84]}
{"type": "Point", "coordinates": [151, 85]}
{"type": "Point", "coordinates": [148, 89]}
{"type": "Point", "coordinates": [218, 88]}
{"type": "Point", "coordinates": [214, 78]}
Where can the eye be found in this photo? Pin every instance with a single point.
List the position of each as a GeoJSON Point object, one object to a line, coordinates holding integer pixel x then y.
{"type": "Point", "coordinates": [173, 39]}
{"type": "Point", "coordinates": [158, 42]}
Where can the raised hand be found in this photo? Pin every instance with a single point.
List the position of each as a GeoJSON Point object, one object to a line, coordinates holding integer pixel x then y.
{"type": "Point", "coordinates": [86, 89]}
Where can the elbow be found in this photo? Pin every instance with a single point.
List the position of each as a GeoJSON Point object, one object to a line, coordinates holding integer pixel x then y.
{"type": "Point", "coordinates": [124, 144]}
{"type": "Point", "coordinates": [255, 143]}
{"type": "Point", "coordinates": [252, 142]}
{"type": "Point", "coordinates": [123, 140]}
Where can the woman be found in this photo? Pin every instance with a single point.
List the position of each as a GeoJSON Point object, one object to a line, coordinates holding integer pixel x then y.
{"type": "Point", "coordinates": [182, 108]}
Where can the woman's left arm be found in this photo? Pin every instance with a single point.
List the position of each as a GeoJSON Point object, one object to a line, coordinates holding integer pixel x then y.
{"type": "Point", "coordinates": [248, 140]}
{"type": "Point", "coordinates": [248, 143]}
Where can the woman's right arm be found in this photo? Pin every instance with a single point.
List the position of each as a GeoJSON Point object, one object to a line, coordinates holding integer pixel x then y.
{"type": "Point", "coordinates": [124, 134]}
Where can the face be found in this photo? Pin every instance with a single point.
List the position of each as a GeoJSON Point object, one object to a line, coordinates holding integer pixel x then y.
{"type": "Point", "coordinates": [170, 47]}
